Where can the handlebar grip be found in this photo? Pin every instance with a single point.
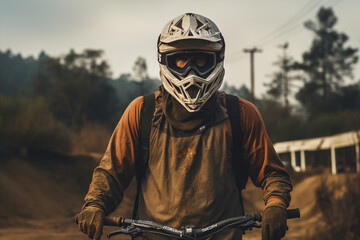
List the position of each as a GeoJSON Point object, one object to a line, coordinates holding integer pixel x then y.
{"type": "Point", "coordinates": [293, 213]}
{"type": "Point", "coordinates": [113, 221]}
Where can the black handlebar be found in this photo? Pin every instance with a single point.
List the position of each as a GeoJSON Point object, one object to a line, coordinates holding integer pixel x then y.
{"type": "Point", "coordinates": [119, 221]}
{"type": "Point", "coordinates": [137, 227]}
{"type": "Point", "coordinates": [293, 213]}
{"type": "Point", "coordinates": [113, 221]}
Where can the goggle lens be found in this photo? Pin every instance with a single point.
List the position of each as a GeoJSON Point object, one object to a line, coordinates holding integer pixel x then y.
{"type": "Point", "coordinates": [181, 63]}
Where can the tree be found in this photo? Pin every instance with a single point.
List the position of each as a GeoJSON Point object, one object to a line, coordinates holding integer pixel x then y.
{"type": "Point", "coordinates": [130, 86]}
{"type": "Point", "coordinates": [280, 85]}
{"type": "Point", "coordinates": [327, 63]}
{"type": "Point", "coordinates": [242, 91]}
{"type": "Point", "coordinates": [76, 87]}
{"type": "Point", "coordinates": [16, 71]}
{"type": "Point", "coordinates": [140, 73]}
{"type": "Point", "coordinates": [140, 69]}
{"type": "Point", "coordinates": [281, 124]}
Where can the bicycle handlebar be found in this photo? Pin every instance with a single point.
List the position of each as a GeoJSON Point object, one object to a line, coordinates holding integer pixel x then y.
{"type": "Point", "coordinates": [137, 227]}
{"type": "Point", "coordinates": [293, 213]}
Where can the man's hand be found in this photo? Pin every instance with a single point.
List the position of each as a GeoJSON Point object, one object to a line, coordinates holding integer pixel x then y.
{"type": "Point", "coordinates": [91, 221]}
{"type": "Point", "coordinates": [273, 225]}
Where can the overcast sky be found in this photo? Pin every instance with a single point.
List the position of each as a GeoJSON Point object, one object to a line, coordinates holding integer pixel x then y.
{"type": "Point", "coordinates": [128, 29]}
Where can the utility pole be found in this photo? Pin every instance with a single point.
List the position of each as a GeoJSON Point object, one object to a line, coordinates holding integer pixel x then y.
{"type": "Point", "coordinates": [285, 79]}
{"type": "Point", "coordinates": [252, 74]}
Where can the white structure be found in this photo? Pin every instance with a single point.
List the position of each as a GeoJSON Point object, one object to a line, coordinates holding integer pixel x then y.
{"type": "Point", "coordinates": [347, 139]}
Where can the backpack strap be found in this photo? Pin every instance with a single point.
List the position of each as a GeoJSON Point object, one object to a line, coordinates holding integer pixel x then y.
{"type": "Point", "coordinates": [141, 162]}
{"type": "Point", "coordinates": [240, 168]}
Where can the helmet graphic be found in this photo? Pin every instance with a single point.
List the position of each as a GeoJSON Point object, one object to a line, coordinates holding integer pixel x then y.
{"type": "Point", "coordinates": [191, 57]}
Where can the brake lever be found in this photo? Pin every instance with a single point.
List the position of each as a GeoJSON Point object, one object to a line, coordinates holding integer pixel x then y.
{"type": "Point", "coordinates": [130, 230]}
{"type": "Point", "coordinates": [249, 225]}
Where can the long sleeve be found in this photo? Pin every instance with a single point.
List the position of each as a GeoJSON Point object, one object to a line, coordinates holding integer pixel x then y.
{"type": "Point", "coordinates": [265, 167]}
{"type": "Point", "coordinates": [116, 169]}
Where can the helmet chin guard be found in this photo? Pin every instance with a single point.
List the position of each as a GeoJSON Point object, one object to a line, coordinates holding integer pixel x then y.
{"type": "Point", "coordinates": [191, 32]}
{"type": "Point", "coordinates": [192, 92]}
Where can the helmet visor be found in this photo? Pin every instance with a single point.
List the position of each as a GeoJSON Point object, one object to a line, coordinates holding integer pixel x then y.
{"type": "Point", "coordinates": [182, 62]}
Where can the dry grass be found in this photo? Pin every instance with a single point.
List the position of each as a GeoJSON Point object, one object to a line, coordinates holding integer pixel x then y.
{"type": "Point", "coordinates": [338, 202]}
{"type": "Point", "coordinates": [92, 138]}
{"type": "Point", "coordinates": [28, 124]}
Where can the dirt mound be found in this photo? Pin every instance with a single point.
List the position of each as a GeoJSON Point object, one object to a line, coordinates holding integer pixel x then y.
{"type": "Point", "coordinates": [42, 188]}
{"type": "Point", "coordinates": [40, 196]}
{"type": "Point", "coordinates": [303, 197]}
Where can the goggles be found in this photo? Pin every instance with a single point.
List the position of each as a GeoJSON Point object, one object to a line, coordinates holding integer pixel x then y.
{"type": "Point", "coordinates": [181, 63]}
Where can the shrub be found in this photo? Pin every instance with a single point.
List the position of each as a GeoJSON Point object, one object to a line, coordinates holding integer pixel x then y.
{"type": "Point", "coordinates": [27, 125]}
{"type": "Point", "coordinates": [92, 138]}
{"type": "Point", "coordinates": [339, 205]}
{"type": "Point", "coordinates": [332, 123]}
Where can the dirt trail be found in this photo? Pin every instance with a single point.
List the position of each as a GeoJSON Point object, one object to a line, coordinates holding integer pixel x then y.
{"type": "Point", "coordinates": [39, 199]}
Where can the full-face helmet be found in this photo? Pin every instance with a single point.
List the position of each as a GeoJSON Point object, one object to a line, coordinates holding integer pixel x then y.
{"type": "Point", "coordinates": [191, 57]}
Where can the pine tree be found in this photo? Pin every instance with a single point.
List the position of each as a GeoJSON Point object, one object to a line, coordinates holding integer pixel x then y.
{"type": "Point", "coordinates": [76, 87]}
{"type": "Point", "coordinates": [327, 63]}
{"type": "Point", "coordinates": [280, 85]}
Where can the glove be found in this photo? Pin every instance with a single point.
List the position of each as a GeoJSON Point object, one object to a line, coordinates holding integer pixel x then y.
{"type": "Point", "coordinates": [273, 225]}
{"type": "Point", "coordinates": [91, 221]}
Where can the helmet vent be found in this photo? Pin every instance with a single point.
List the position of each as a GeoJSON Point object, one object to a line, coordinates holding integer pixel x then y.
{"type": "Point", "coordinates": [179, 24]}
{"type": "Point", "coordinates": [193, 91]}
{"type": "Point", "coordinates": [199, 24]}
{"type": "Point", "coordinates": [205, 89]}
{"type": "Point", "coordinates": [177, 89]}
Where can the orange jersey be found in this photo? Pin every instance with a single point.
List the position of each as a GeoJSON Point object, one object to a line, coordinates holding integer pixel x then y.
{"type": "Point", "coordinates": [189, 179]}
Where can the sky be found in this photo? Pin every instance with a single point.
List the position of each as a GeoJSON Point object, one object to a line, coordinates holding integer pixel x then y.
{"type": "Point", "coordinates": [126, 30]}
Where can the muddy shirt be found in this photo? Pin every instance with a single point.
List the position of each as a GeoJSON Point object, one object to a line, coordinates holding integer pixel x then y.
{"type": "Point", "coordinates": [189, 179]}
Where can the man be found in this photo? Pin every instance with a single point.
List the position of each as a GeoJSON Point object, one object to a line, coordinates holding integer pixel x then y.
{"type": "Point", "coordinates": [189, 178]}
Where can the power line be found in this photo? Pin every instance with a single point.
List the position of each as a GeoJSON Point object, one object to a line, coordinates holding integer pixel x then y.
{"type": "Point", "coordinates": [309, 6]}
{"type": "Point", "coordinates": [294, 22]}
{"type": "Point", "coordinates": [282, 34]}
{"type": "Point", "coordinates": [290, 26]}
{"type": "Point", "coordinates": [285, 31]}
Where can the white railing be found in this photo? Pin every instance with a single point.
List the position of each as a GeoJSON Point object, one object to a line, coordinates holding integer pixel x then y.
{"type": "Point", "coordinates": [331, 143]}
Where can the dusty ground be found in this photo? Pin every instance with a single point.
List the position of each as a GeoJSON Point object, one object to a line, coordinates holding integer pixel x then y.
{"type": "Point", "coordinates": [39, 198]}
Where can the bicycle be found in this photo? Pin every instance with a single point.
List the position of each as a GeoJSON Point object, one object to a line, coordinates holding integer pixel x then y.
{"type": "Point", "coordinates": [136, 228]}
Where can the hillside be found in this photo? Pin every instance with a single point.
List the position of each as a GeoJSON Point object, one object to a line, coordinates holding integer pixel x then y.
{"type": "Point", "coordinates": [40, 196]}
